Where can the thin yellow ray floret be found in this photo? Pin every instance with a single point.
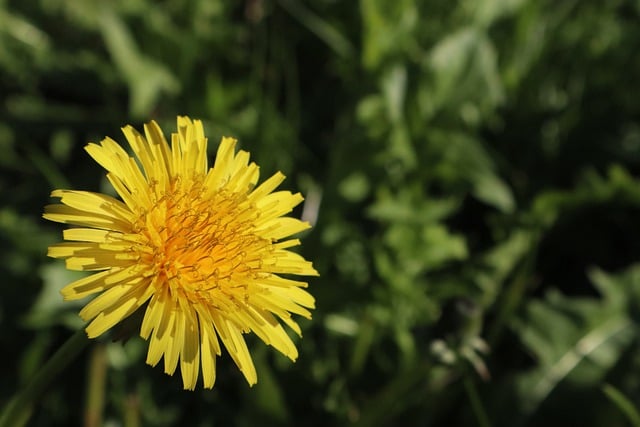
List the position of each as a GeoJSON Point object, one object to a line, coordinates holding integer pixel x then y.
{"type": "Point", "coordinates": [95, 203]}
{"type": "Point", "coordinates": [98, 259]}
{"type": "Point", "coordinates": [161, 338]}
{"type": "Point", "coordinates": [123, 169]}
{"type": "Point", "coordinates": [210, 348]}
{"type": "Point", "coordinates": [192, 145]}
{"type": "Point", "coordinates": [274, 280]}
{"type": "Point", "coordinates": [267, 186]}
{"type": "Point", "coordinates": [161, 153]}
{"type": "Point", "coordinates": [110, 155]}
{"type": "Point", "coordinates": [68, 215]}
{"type": "Point", "coordinates": [99, 282]}
{"type": "Point", "coordinates": [154, 327]}
{"type": "Point", "coordinates": [143, 151]}
{"type": "Point", "coordinates": [283, 261]}
{"type": "Point", "coordinates": [277, 204]}
{"type": "Point", "coordinates": [190, 351]}
{"type": "Point", "coordinates": [112, 306]}
{"type": "Point", "coordinates": [64, 250]}
{"type": "Point", "coordinates": [237, 347]}
{"type": "Point", "coordinates": [278, 228]}
{"type": "Point", "coordinates": [176, 341]}
{"type": "Point", "coordinates": [217, 176]}
{"type": "Point", "coordinates": [282, 302]}
{"type": "Point", "coordinates": [269, 330]}
{"type": "Point", "coordinates": [88, 235]}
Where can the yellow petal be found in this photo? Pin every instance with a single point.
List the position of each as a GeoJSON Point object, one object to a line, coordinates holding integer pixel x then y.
{"type": "Point", "coordinates": [209, 349]}
{"type": "Point", "coordinates": [98, 282]}
{"type": "Point", "coordinates": [116, 312]}
{"type": "Point", "coordinates": [190, 352]}
{"type": "Point", "coordinates": [69, 215]}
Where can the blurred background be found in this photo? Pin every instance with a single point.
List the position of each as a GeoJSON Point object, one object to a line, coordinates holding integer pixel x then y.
{"type": "Point", "coordinates": [472, 169]}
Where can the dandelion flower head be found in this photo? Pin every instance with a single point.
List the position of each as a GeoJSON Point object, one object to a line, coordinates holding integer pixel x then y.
{"type": "Point", "coordinates": [201, 251]}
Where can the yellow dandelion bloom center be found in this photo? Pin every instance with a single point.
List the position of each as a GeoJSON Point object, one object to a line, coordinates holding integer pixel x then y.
{"type": "Point", "coordinates": [203, 249]}
{"type": "Point", "coordinates": [199, 250]}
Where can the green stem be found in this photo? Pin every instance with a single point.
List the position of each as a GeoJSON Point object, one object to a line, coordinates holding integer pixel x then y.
{"type": "Point", "coordinates": [96, 383]}
{"type": "Point", "coordinates": [132, 411]}
{"type": "Point", "coordinates": [476, 404]}
{"type": "Point", "coordinates": [19, 409]}
{"type": "Point", "coordinates": [318, 26]}
{"type": "Point", "coordinates": [623, 403]}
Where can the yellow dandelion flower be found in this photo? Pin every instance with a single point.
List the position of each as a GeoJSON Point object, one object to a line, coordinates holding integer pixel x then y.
{"type": "Point", "coordinates": [202, 248]}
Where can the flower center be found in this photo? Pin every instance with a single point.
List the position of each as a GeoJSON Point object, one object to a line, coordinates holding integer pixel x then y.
{"type": "Point", "coordinates": [199, 245]}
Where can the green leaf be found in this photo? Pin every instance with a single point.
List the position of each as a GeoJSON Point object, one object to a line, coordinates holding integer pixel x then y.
{"type": "Point", "coordinates": [616, 186]}
{"type": "Point", "coordinates": [409, 206]}
{"type": "Point", "coordinates": [486, 12]}
{"type": "Point", "coordinates": [466, 81]}
{"type": "Point", "coordinates": [319, 26]}
{"type": "Point", "coordinates": [499, 262]}
{"type": "Point", "coordinates": [148, 79]}
{"type": "Point", "coordinates": [354, 187]}
{"type": "Point", "coordinates": [623, 403]}
{"type": "Point", "coordinates": [50, 308]}
{"type": "Point", "coordinates": [465, 159]}
{"type": "Point", "coordinates": [573, 339]}
{"type": "Point", "coordinates": [388, 27]}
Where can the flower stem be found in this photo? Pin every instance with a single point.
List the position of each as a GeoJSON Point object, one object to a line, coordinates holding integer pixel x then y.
{"type": "Point", "coordinates": [96, 386]}
{"type": "Point", "coordinates": [476, 404]}
{"type": "Point", "coordinates": [18, 410]}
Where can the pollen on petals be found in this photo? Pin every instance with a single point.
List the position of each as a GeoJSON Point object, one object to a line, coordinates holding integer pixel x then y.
{"type": "Point", "coordinates": [199, 250]}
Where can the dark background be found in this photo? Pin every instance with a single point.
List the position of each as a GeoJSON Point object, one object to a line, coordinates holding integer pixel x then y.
{"type": "Point", "coordinates": [473, 167]}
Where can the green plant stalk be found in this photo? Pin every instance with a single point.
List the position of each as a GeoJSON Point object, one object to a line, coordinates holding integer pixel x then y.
{"type": "Point", "coordinates": [476, 404]}
{"type": "Point", "coordinates": [321, 28]}
{"type": "Point", "coordinates": [18, 410]}
{"type": "Point", "coordinates": [132, 411]}
{"type": "Point", "coordinates": [96, 383]}
{"type": "Point", "coordinates": [623, 403]}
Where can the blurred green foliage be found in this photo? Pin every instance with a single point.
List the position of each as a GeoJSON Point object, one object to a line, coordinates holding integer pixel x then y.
{"type": "Point", "coordinates": [473, 168]}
